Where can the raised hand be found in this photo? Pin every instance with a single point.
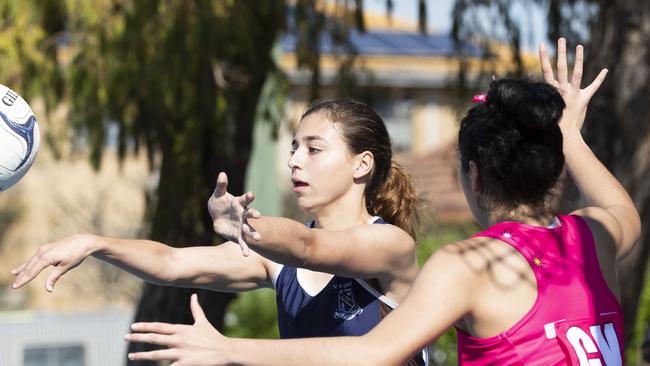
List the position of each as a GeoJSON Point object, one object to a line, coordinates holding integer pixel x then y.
{"type": "Point", "coordinates": [576, 99]}
{"type": "Point", "coordinates": [229, 213]}
{"type": "Point", "coordinates": [63, 255]}
{"type": "Point", "coordinates": [199, 344]}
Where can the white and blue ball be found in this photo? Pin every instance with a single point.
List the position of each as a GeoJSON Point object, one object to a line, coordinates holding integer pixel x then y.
{"type": "Point", "coordinates": [19, 137]}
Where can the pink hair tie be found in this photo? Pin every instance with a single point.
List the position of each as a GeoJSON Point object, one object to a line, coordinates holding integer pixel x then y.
{"type": "Point", "coordinates": [481, 98]}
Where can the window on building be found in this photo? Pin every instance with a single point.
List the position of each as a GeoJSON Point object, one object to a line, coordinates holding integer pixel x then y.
{"type": "Point", "coordinates": [67, 355]}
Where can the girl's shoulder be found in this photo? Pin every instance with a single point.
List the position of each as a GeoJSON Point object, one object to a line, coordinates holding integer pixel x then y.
{"type": "Point", "coordinates": [385, 232]}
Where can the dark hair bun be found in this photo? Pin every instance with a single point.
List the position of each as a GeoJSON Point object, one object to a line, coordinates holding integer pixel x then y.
{"type": "Point", "coordinates": [515, 141]}
{"type": "Point", "coordinates": [527, 103]}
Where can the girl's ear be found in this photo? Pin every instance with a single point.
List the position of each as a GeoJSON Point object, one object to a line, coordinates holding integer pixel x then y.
{"type": "Point", "coordinates": [363, 164]}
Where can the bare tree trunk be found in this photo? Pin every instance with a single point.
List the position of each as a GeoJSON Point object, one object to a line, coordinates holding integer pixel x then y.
{"type": "Point", "coordinates": [618, 124]}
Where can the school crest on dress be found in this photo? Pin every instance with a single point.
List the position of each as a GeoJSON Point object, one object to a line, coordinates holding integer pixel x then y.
{"type": "Point", "coordinates": [347, 307]}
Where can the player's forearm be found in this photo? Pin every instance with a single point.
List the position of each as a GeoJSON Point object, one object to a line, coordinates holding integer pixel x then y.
{"type": "Point", "coordinates": [218, 268]}
{"type": "Point", "coordinates": [305, 352]}
{"type": "Point", "coordinates": [282, 240]}
{"type": "Point", "coordinates": [145, 259]}
{"type": "Point", "coordinates": [595, 183]}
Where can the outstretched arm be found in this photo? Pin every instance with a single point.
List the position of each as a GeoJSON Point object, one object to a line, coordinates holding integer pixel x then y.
{"type": "Point", "coordinates": [213, 267]}
{"type": "Point", "coordinates": [366, 251]}
{"type": "Point", "coordinates": [610, 204]}
{"type": "Point", "coordinates": [441, 295]}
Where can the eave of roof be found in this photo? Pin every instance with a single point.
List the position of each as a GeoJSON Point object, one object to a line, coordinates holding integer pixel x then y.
{"type": "Point", "coordinates": [396, 43]}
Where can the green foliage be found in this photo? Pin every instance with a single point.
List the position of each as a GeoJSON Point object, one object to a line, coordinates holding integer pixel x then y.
{"type": "Point", "coordinates": [27, 51]}
{"type": "Point", "coordinates": [147, 68]}
{"type": "Point", "coordinates": [179, 79]}
{"type": "Point", "coordinates": [442, 234]}
{"type": "Point", "coordinates": [253, 315]}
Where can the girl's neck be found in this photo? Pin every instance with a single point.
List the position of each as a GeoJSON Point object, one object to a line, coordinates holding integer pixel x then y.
{"type": "Point", "coordinates": [525, 215]}
{"type": "Point", "coordinates": [334, 218]}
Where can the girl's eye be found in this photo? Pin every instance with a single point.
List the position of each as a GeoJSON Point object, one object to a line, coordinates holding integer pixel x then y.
{"type": "Point", "coordinates": [313, 150]}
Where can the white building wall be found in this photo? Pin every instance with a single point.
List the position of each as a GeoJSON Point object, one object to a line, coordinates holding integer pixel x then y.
{"type": "Point", "coordinates": [100, 334]}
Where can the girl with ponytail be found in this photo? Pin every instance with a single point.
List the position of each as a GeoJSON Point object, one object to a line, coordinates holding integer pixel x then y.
{"type": "Point", "coordinates": [341, 273]}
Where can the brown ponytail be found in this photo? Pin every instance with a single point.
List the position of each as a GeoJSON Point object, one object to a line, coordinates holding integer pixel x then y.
{"type": "Point", "coordinates": [390, 192]}
{"type": "Point", "coordinates": [396, 200]}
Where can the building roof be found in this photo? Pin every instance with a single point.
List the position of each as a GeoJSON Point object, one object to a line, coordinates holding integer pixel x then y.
{"type": "Point", "coordinates": [388, 43]}
{"type": "Point", "coordinates": [396, 58]}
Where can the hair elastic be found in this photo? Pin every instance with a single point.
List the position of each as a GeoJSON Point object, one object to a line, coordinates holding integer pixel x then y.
{"type": "Point", "coordinates": [481, 98]}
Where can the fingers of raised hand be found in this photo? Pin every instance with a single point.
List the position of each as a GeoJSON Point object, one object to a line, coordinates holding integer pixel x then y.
{"type": "Point", "coordinates": [222, 185]}
{"type": "Point", "coordinates": [547, 69]}
{"type": "Point", "coordinates": [593, 87]}
{"type": "Point", "coordinates": [562, 70]}
{"type": "Point", "coordinates": [246, 198]}
{"type": "Point", "coordinates": [165, 354]}
{"type": "Point", "coordinates": [576, 78]}
{"type": "Point", "coordinates": [250, 232]}
{"type": "Point", "coordinates": [245, 251]}
{"type": "Point", "coordinates": [251, 213]}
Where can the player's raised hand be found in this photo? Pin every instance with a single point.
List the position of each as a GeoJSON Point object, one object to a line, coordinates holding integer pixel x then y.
{"type": "Point", "coordinates": [228, 212]}
{"type": "Point", "coordinates": [575, 97]}
{"type": "Point", "coordinates": [63, 255]}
